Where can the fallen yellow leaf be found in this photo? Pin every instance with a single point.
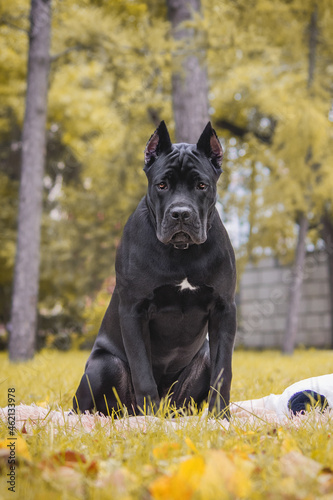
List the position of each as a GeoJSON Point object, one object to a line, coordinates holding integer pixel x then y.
{"type": "Point", "coordinates": [182, 484]}
{"type": "Point", "coordinates": [210, 476]}
{"type": "Point", "coordinates": [224, 476]}
{"type": "Point", "coordinates": [170, 488]}
{"type": "Point", "coordinates": [17, 445]}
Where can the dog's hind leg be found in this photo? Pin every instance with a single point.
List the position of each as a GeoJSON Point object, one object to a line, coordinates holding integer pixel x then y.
{"type": "Point", "coordinates": [105, 387]}
{"type": "Point", "coordinates": [193, 381]}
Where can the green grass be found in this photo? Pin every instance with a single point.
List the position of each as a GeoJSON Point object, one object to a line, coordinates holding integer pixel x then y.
{"type": "Point", "coordinates": [193, 461]}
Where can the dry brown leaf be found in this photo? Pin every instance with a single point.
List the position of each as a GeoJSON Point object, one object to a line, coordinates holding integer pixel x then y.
{"type": "Point", "coordinates": [68, 458]}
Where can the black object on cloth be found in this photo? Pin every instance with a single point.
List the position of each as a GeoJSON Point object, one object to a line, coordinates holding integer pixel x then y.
{"type": "Point", "coordinates": [302, 401]}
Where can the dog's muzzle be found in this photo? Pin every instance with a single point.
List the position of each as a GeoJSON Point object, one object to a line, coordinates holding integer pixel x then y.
{"type": "Point", "coordinates": [181, 227]}
{"type": "Point", "coordinates": [181, 240]}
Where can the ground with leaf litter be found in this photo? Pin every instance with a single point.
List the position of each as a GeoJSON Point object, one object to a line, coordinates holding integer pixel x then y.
{"type": "Point", "coordinates": [253, 457]}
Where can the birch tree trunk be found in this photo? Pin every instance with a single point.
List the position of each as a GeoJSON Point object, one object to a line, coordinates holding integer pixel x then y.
{"type": "Point", "coordinates": [189, 77]}
{"type": "Point", "coordinates": [26, 275]}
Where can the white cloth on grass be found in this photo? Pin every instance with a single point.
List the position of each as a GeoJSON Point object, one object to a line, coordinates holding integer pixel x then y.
{"type": "Point", "coordinates": [279, 402]}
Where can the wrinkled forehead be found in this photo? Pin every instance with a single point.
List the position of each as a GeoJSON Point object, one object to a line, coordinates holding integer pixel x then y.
{"type": "Point", "coordinates": [184, 154]}
{"type": "Point", "coordinates": [182, 160]}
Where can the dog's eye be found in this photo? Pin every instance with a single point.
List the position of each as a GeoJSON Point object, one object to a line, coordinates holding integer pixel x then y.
{"type": "Point", "coordinates": [202, 186]}
{"type": "Point", "coordinates": [162, 186]}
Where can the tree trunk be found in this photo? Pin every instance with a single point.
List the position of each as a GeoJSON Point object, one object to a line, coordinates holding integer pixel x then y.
{"type": "Point", "coordinates": [189, 77]}
{"type": "Point", "coordinates": [328, 238]}
{"type": "Point", "coordinates": [26, 276]}
{"type": "Point", "coordinates": [296, 288]}
{"type": "Point", "coordinates": [296, 285]}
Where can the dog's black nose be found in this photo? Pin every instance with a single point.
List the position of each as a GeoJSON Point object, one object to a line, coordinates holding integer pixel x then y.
{"type": "Point", "coordinates": [181, 213]}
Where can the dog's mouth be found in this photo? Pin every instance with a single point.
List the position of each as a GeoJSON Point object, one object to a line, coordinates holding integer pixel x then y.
{"type": "Point", "coordinates": [181, 240]}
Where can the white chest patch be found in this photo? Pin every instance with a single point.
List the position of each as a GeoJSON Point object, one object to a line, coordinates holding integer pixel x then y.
{"type": "Point", "coordinates": [186, 285]}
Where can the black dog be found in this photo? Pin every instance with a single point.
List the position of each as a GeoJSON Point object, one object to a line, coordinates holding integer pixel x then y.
{"type": "Point", "coordinates": [175, 272]}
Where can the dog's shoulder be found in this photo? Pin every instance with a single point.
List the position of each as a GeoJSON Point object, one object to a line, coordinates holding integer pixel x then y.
{"type": "Point", "coordinates": [139, 224]}
{"type": "Point", "coordinates": [138, 240]}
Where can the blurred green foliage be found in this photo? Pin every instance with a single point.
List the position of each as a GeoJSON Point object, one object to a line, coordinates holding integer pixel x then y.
{"type": "Point", "coordinates": [106, 76]}
{"type": "Point", "coordinates": [110, 85]}
{"type": "Point", "coordinates": [282, 123]}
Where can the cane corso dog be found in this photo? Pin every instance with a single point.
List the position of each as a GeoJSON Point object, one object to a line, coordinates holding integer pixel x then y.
{"type": "Point", "coordinates": [170, 326]}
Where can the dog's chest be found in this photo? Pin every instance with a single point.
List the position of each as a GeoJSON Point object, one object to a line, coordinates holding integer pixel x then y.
{"type": "Point", "coordinates": [181, 298]}
{"type": "Point", "coordinates": [186, 285]}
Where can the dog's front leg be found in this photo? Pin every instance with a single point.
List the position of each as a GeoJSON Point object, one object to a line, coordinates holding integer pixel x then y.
{"type": "Point", "coordinates": [135, 334]}
{"type": "Point", "coordinates": [222, 330]}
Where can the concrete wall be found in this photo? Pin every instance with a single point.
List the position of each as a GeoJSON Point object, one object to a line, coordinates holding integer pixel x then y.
{"type": "Point", "coordinates": [263, 298]}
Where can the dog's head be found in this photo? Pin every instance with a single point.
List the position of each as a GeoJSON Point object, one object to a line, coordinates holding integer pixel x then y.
{"type": "Point", "coordinates": [182, 185]}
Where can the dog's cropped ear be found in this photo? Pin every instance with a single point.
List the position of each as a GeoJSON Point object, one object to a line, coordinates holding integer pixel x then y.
{"type": "Point", "coordinates": [158, 143]}
{"type": "Point", "coordinates": [211, 147]}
